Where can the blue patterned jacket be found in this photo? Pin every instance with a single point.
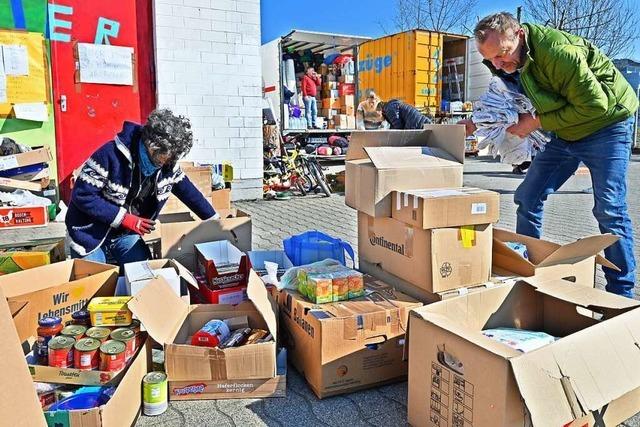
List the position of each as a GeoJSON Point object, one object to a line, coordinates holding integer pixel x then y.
{"type": "Point", "coordinates": [98, 200]}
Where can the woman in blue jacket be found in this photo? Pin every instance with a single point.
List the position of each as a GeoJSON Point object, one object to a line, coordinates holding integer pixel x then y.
{"type": "Point", "coordinates": [123, 186]}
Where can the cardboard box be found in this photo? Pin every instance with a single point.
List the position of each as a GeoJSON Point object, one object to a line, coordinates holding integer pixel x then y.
{"type": "Point", "coordinates": [349, 110]}
{"type": "Point", "coordinates": [349, 345]}
{"type": "Point", "coordinates": [380, 162]}
{"type": "Point", "coordinates": [340, 120]}
{"type": "Point", "coordinates": [200, 176]}
{"type": "Point", "coordinates": [331, 93]}
{"type": "Point", "coordinates": [347, 78]}
{"type": "Point", "coordinates": [216, 295]}
{"type": "Point", "coordinates": [12, 184]}
{"type": "Point", "coordinates": [329, 113]}
{"type": "Point", "coordinates": [39, 155]}
{"type": "Point", "coordinates": [434, 260]}
{"type": "Point", "coordinates": [347, 100]}
{"type": "Point", "coordinates": [58, 289]}
{"type": "Point", "coordinates": [171, 322]}
{"type": "Point", "coordinates": [585, 378]}
{"type": "Point", "coordinates": [446, 207]}
{"type": "Point", "coordinates": [574, 261]}
{"type": "Point", "coordinates": [14, 258]}
{"type": "Point", "coordinates": [331, 103]}
{"type": "Point", "coordinates": [221, 199]}
{"type": "Point", "coordinates": [257, 261]}
{"type": "Point", "coordinates": [139, 274]}
{"type": "Point", "coordinates": [329, 85]}
{"type": "Point", "coordinates": [179, 232]}
{"type": "Point", "coordinates": [346, 89]}
{"type": "Point", "coordinates": [23, 217]}
{"type": "Point", "coordinates": [222, 264]}
{"type": "Point", "coordinates": [351, 121]}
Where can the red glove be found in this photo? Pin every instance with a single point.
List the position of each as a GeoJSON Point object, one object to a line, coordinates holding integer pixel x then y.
{"type": "Point", "coordinates": [138, 225]}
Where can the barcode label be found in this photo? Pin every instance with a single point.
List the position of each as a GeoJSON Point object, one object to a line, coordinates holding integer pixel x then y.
{"type": "Point", "coordinates": [478, 208]}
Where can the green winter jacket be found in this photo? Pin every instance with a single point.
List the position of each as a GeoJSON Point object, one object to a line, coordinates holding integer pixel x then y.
{"type": "Point", "coordinates": [575, 89]}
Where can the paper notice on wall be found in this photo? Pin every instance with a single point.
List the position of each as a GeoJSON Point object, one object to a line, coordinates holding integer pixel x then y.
{"type": "Point", "coordinates": [3, 88]}
{"type": "Point", "coordinates": [105, 64]}
{"type": "Point", "coordinates": [36, 111]}
{"type": "Point", "coordinates": [16, 60]}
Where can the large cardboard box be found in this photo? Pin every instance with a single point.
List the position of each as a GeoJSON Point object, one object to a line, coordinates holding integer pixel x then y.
{"type": "Point", "coordinates": [434, 260]}
{"type": "Point", "coordinates": [39, 155]}
{"type": "Point", "coordinates": [200, 176]}
{"type": "Point", "coordinates": [179, 232]}
{"type": "Point", "coordinates": [347, 100]}
{"type": "Point", "coordinates": [58, 289]}
{"type": "Point", "coordinates": [349, 345]}
{"type": "Point", "coordinates": [23, 216]}
{"type": "Point", "coordinates": [221, 199]}
{"type": "Point", "coordinates": [446, 207]}
{"type": "Point", "coordinates": [171, 322]}
{"type": "Point", "coordinates": [19, 257]}
{"type": "Point", "coordinates": [575, 261]}
{"type": "Point", "coordinates": [588, 377]}
{"type": "Point", "coordinates": [140, 274]}
{"type": "Point", "coordinates": [396, 160]}
{"type": "Point", "coordinates": [331, 103]}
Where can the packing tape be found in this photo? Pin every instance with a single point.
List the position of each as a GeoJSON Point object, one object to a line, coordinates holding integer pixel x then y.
{"type": "Point", "coordinates": [415, 202]}
{"type": "Point", "coordinates": [399, 201]}
{"type": "Point", "coordinates": [468, 236]}
{"type": "Point", "coordinates": [405, 201]}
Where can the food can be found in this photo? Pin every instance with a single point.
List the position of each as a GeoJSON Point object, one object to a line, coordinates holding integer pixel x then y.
{"type": "Point", "coordinates": [135, 326]}
{"type": "Point", "coordinates": [154, 393]}
{"type": "Point", "coordinates": [74, 331]}
{"type": "Point", "coordinates": [86, 354]}
{"type": "Point", "coordinates": [127, 336]}
{"type": "Point", "coordinates": [61, 351]}
{"type": "Point", "coordinates": [112, 356]}
{"type": "Point", "coordinates": [99, 333]}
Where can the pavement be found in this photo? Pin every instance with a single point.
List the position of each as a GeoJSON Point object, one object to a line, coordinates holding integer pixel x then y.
{"type": "Point", "coordinates": [567, 217]}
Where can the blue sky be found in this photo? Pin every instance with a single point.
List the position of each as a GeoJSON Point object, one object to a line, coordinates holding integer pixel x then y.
{"type": "Point", "coordinates": [354, 17]}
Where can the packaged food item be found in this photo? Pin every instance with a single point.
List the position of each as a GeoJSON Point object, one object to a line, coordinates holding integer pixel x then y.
{"type": "Point", "coordinates": [128, 337]}
{"type": "Point", "coordinates": [518, 247]}
{"type": "Point", "coordinates": [74, 331]}
{"type": "Point", "coordinates": [340, 286]}
{"type": "Point", "coordinates": [81, 317]}
{"type": "Point", "coordinates": [211, 334]}
{"type": "Point", "coordinates": [323, 283]}
{"type": "Point", "coordinates": [61, 351]}
{"type": "Point", "coordinates": [236, 339]}
{"type": "Point", "coordinates": [519, 339]}
{"type": "Point", "coordinates": [110, 311]}
{"type": "Point", "coordinates": [99, 333]}
{"type": "Point", "coordinates": [154, 393]}
{"type": "Point", "coordinates": [267, 338]}
{"type": "Point", "coordinates": [315, 286]}
{"type": "Point", "coordinates": [46, 393]}
{"type": "Point", "coordinates": [356, 285]}
{"type": "Point", "coordinates": [255, 336]}
{"type": "Point", "coordinates": [86, 354]}
{"type": "Point", "coordinates": [48, 327]}
{"type": "Point", "coordinates": [112, 356]}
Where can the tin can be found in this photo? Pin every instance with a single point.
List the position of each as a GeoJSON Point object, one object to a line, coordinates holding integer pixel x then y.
{"type": "Point", "coordinates": [154, 393]}
{"type": "Point", "coordinates": [135, 326]}
{"type": "Point", "coordinates": [86, 354]}
{"type": "Point", "coordinates": [127, 336]}
{"type": "Point", "coordinates": [99, 333]}
{"type": "Point", "coordinates": [81, 317]}
{"type": "Point", "coordinates": [61, 351]}
{"type": "Point", "coordinates": [74, 331]}
{"type": "Point", "coordinates": [112, 356]}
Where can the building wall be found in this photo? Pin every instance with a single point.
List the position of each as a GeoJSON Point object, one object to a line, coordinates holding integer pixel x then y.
{"type": "Point", "coordinates": [208, 68]}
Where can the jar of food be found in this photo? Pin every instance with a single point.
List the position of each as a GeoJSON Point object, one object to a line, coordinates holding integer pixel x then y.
{"type": "Point", "coordinates": [48, 327]}
{"type": "Point", "coordinates": [81, 317]}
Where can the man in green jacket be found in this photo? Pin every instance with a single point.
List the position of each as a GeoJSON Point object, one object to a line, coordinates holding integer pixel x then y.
{"type": "Point", "coordinates": [587, 106]}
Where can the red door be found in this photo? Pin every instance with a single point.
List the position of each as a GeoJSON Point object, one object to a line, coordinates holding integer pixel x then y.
{"type": "Point", "coordinates": [88, 115]}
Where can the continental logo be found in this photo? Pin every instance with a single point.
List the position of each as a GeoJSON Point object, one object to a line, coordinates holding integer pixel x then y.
{"type": "Point", "coordinates": [190, 389]}
{"type": "Point", "coordinates": [384, 243]}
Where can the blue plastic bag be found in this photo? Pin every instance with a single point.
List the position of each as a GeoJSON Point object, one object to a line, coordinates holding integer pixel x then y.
{"type": "Point", "coordinates": [312, 246]}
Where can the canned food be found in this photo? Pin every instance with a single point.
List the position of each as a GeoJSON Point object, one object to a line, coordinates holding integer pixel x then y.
{"type": "Point", "coordinates": [154, 393]}
{"type": "Point", "coordinates": [112, 356]}
{"type": "Point", "coordinates": [61, 351]}
{"type": "Point", "coordinates": [86, 354]}
{"type": "Point", "coordinates": [127, 336]}
{"type": "Point", "coordinates": [74, 331]}
{"type": "Point", "coordinates": [98, 333]}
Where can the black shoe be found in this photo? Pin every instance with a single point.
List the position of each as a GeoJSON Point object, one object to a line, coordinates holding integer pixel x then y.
{"type": "Point", "coordinates": [517, 170]}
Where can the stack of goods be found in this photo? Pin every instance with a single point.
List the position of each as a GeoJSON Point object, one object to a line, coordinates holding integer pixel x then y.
{"type": "Point", "coordinates": [338, 92]}
{"type": "Point", "coordinates": [335, 145]}
{"type": "Point", "coordinates": [25, 197]}
{"type": "Point", "coordinates": [218, 334]}
{"type": "Point", "coordinates": [321, 283]}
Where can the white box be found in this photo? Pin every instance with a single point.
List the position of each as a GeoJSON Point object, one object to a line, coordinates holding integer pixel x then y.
{"type": "Point", "coordinates": [138, 275]}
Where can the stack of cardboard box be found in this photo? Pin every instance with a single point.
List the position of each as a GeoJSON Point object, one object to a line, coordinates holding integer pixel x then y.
{"type": "Point", "coordinates": [200, 176]}
{"type": "Point", "coordinates": [337, 99]}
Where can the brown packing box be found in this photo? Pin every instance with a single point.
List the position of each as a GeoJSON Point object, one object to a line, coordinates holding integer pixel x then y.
{"type": "Point", "coordinates": [329, 85]}
{"type": "Point", "coordinates": [58, 289]}
{"type": "Point", "coordinates": [200, 176]}
{"type": "Point", "coordinates": [350, 345]}
{"type": "Point", "coordinates": [221, 199]}
{"type": "Point", "coordinates": [349, 110]}
{"type": "Point", "coordinates": [589, 375]}
{"type": "Point", "coordinates": [396, 160]}
{"type": "Point", "coordinates": [171, 322]}
{"type": "Point", "coordinates": [328, 112]}
{"type": "Point", "coordinates": [434, 260]}
{"type": "Point", "coordinates": [39, 155]}
{"type": "Point", "coordinates": [17, 389]}
{"type": "Point", "coordinates": [178, 233]}
{"type": "Point", "coordinates": [340, 120]}
{"type": "Point", "coordinates": [574, 261]}
{"type": "Point", "coordinates": [445, 207]}
{"type": "Point", "coordinates": [331, 103]}
{"type": "Point", "coordinates": [347, 100]}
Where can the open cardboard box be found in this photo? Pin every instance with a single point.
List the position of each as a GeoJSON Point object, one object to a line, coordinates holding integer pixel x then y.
{"type": "Point", "coordinates": [38, 155]}
{"type": "Point", "coordinates": [14, 258]}
{"type": "Point", "coordinates": [143, 274]}
{"type": "Point", "coordinates": [171, 322]}
{"type": "Point", "coordinates": [19, 404]}
{"type": "Point", "coordinates": [349, 345]}
{"type": "Point", "coordinates": [384, 161]}
{"type": "Point", "coordinates": [574, 261]}
{"type": "Point", "coordinates": [588, 377]}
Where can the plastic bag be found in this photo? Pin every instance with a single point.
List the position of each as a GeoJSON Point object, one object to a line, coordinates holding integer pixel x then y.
{"type": "Point", "coordinates": [519, 339]}
{"type": "Point", "coordinates": [289, 279]}
{"type": "Point", "coordinates": [312, 246]}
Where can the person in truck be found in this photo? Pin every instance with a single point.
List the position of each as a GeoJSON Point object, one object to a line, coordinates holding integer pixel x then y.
{"type": "Point", "coordinates": [588, 107]}
{"type": "Point", "coordinates": [123, 186]}
{"type": "Point", "coordinates": [310, 82]}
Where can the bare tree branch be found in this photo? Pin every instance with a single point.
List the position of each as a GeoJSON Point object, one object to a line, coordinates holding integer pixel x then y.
{"type": "Point", "coordinates": [436, 15]}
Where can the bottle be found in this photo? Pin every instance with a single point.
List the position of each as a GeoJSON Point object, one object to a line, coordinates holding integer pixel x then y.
{"type": "Point", "coordinates": [48, 327]}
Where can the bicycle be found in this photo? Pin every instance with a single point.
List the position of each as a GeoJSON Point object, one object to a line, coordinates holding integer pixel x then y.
{"type": "Point", "coordinates": [309, 167]}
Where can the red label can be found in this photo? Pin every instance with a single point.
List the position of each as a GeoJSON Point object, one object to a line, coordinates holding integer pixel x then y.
{"type": "Point", "coordinates": [86, 354]}
{"type": "Point", "coordinates": [112, 356]}
{"type": "Point", "coordinates": [61, 352]}
{"type": "Point", "coordinates": [127, 336]}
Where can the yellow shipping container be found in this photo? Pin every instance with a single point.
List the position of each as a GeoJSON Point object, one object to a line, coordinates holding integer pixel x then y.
{"type": "Point", "coordinates": [409, 66]}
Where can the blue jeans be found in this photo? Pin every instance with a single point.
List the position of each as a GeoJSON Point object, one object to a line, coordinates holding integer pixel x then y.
{"type": "Point", "coordinates": [121, 249]}
{"type": "Point", "coordinates": [606, 154]}
{"type": "Point", "coordinates": [310, 110]}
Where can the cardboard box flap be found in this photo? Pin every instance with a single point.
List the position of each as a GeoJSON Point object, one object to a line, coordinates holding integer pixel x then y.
{"type": "Point", "coordinates": [390, 138]}
{"type": "Point", "coordinates": [410, 157]}
{"type": "Point", "coordinates": [583, 296]}
{"type": "Point", "coordinates": [160, 310]}
{"type": "Point", "coordinates": [579, 250]}
{"type": "Point", "coordinates": [17, 387]}
{"type": "Point", "coordinates": [582, 373]}
{"type": "Point", "coordinates": [257, 293]}
{"type": "Point", "coordinates": [502, 250]}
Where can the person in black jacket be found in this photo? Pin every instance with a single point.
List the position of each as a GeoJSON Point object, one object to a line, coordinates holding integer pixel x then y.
{"type": "Point", "coordinates": [400, 115]}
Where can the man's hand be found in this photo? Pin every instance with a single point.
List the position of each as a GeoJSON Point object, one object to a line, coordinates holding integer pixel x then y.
{"type": "Point", "coordinates": [138, 225]}
{"type": "Point", "coordinates": [469, 126]}
{"type": "Point", "coordinates": [526, 124]}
